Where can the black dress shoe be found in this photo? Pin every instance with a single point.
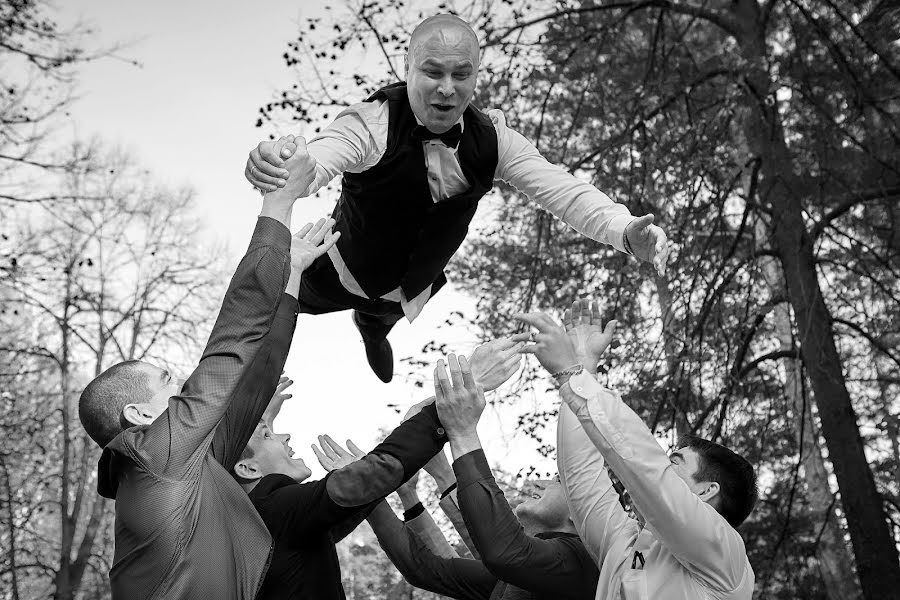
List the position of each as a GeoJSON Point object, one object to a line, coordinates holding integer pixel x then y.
{"type": "Point", "coordinates": [378, 352]}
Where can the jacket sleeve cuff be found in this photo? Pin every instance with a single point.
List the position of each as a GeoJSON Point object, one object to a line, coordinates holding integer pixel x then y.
{"type": "Point", "coordinates": [288, 308]}
{"type": "Point", "coordinates": [269, 232]}
{"type": "Point", "coordinates": [471, 468]}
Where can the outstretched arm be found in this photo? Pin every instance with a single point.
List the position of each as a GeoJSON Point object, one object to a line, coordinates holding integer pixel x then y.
{"type": "Point", "coordinates": [505, 549]}
{"type": "Point", "coordinates": [419, 521]}
{"type": "Point", "coordinates": [256, 397]}
{"type": "Point", "coordinates": [237, 346]}
{"type": "Point", "coordinates": [353, 483]}
{"type": "Point", "coordinates": [690, 529]}
{"type": "Point", "coordinates": [461, 578]}
{"type": "Point", "coordinates": [576, 202]}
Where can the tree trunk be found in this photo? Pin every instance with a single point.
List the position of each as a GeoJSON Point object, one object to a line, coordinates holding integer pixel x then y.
{"type": "Point", "coordinates": [835, 560]}
{"type": "Point", "coordinates": [780, 191]}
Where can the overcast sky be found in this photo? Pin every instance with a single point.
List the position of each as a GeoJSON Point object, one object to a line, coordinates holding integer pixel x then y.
{"type": "Point", "coordinates": [187, 114]}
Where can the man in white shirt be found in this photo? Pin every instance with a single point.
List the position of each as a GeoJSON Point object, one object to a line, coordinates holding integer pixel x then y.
{"type": "Point", "coordinates": [416, 158]}
{"type": "Point", "coordinates": [684, 545]}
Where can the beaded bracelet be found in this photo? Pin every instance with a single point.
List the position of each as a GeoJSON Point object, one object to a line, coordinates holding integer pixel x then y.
{"type": "Point", "coordinates": [570, 371]}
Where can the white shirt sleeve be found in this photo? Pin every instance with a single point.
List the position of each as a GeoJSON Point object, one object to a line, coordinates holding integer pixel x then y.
{"type": "Point", "coordinates": [576, 202]}
{"type": "Point", "coordinates": [599, 518]}
{"type": "Point", "coordinates": [355, 141]}
{"type": "Point", "coordinates": [692, 530]}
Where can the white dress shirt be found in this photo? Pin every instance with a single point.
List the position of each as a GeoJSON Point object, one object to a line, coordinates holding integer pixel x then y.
{"type": "Point", "coordinates": [689, 550]}
{"type": "Point", "coordinates": [357, 140]}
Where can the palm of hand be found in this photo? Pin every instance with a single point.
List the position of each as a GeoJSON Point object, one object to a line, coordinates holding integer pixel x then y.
{"type": "Point", "coordinates": [303, 253]}
{"type": "Point", "coordinates": [589, 342]}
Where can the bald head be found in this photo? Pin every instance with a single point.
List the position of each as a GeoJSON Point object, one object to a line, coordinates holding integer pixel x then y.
{"type": "Point", "coordinates": [447, 30]}
{"type": "Point", "coordinates": [441, 70]}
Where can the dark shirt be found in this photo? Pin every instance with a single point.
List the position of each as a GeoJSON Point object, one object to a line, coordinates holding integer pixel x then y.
{"type": "Point", "coordinates": [184, 527]}
{"type": "Point", "coordinates": [307, 519]}
{"type": "Point", "coordinates": [513, 564]}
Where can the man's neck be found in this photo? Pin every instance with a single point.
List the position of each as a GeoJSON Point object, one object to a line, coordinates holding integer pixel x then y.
{"type": "Point", "coordinates": [248, 487]}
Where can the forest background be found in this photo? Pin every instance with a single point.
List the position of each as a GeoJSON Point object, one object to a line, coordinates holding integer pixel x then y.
{"type": "Point", "coordinates": [765, 137]}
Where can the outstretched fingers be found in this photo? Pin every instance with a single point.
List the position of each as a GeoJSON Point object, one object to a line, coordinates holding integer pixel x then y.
{"type": "Point", "coordinates": [354, 449]}
{"type": "Point", "coordinates": [455, 371]}
{"type": "Point", "coordinates": [540, 321]}
{"type": "Point", "coordinates": [465, 372]}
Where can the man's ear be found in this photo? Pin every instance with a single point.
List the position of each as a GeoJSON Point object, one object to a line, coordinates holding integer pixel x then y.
{"type": "Point", "coordinates": [247, 470]}
{"type": "Point", "coordinates": [710, 492]}
{"type": "Point", "coordinates": [138, 414]}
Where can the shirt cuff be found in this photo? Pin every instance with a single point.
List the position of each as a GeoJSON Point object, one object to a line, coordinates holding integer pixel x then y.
{"type": "Point", "coordinates": [601, 408]}
{"type": "Point", "coordinates": [615, 232]}
{"type": "Point", "coordinates": [413, 511]}
{"type": "Point", "coordinates": [446, 492]}
{"type": "Point", "coordinates": [471, 468]}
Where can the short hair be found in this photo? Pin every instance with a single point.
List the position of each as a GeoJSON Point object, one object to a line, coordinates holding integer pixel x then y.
{"type": "Point", "coordinates": [736, 478]}
{"type": "Point", "coordinates": [103, 400]}
{"type": "Point", "coordinates": [429, 24]}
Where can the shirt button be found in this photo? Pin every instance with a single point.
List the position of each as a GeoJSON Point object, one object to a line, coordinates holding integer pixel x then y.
{"type": "Point", "coordinates": [440, 431]}
{"type": "Point", "coordinates": [579, 389]}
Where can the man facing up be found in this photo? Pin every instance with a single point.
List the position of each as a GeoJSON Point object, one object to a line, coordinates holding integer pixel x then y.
{"type": "Point", "coordinates": [184, 528]}
{"type": "Point", "coordinates": [690, 501]}
{"type": "Point", "coordinates": [416, 159]}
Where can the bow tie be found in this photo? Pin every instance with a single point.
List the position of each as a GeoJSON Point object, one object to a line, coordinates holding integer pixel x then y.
{"type": "Point", "coordinates": [450, 137]}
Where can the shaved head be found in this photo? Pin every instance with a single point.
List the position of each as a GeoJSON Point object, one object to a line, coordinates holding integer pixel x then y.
{"type": "Point", "coordinates": [441, 70]}
{"type": "Point", "coordinates": [447, 29]}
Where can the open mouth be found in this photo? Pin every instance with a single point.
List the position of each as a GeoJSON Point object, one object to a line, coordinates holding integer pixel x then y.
{"type": "Point", "coordinates": [443, 107]}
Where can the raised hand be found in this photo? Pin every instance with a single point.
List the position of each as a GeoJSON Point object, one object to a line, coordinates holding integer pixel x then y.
{"type": "Point", "coordinates": [585, 329]}
{"type": "Point", "coordinates": [458, 399]}
{"type": "Point", "coordinates": [311, 242]}
{"type": "Point", "coordinates": [495, 362]}
{"type": "Point", "coordinates": [550, 344]}
{"type": "Point", "coordinates": [277, 400]}
{"type": "Point", "coordinates": [332, 456]}
{"type": "Point", "coordinates": [265, 167]}
{"type": "Point", "coordinates": [648, 242]}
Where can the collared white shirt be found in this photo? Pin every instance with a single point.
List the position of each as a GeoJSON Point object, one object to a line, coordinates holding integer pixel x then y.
{"type": "Point", "coordinates": [689, 550]}
{"type": "Point", "coordinates": [357, 140]}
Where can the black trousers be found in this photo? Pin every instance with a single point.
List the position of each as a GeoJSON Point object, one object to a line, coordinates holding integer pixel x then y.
{"type": "Point", "coordinates": [321, 292]}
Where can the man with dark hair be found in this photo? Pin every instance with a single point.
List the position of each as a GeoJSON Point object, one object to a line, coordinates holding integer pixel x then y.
{"type": "Point", "coordinates": [105, 398]}
{"type": "Point", "coordinates": [716, 463]}
{"type": "Point", "coordinates": [184, 528]}
{"type": "Point", "coordinates": [416, 158]}
{"type": "Point", "coordinates": [684, 544]}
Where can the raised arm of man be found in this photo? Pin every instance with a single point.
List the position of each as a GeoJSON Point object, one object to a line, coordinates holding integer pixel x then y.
{"type": "Point", "coordinates": [532, 563]}
{"type": "Point", "coordinates": [602, 524]}
{"type": "Point", "coordinates": [461, 578]}
{"type": "Point", "coordinates": [254, 396]}
{"type": "Point", "coordinates": [171, 444]}
{"type": "Point", "coordinates": [692, 530]}
{"type": "Point", "coordinates": [419, 521]}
